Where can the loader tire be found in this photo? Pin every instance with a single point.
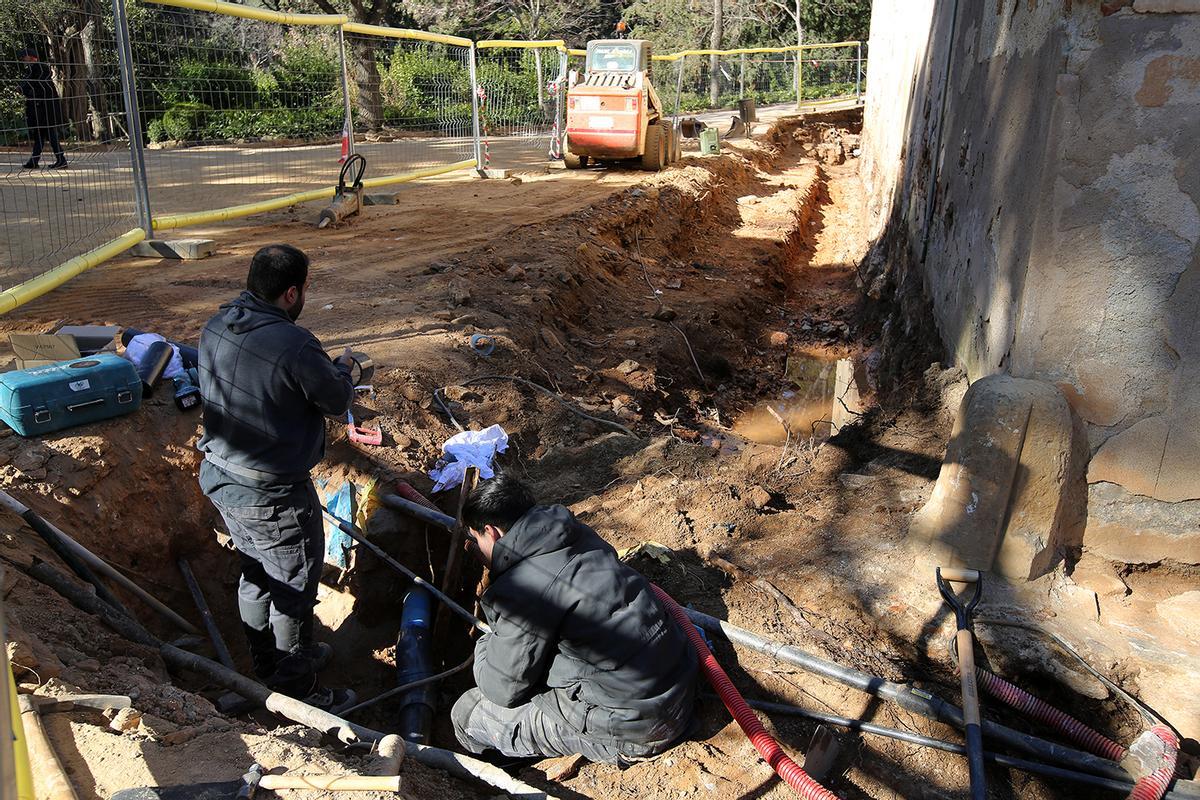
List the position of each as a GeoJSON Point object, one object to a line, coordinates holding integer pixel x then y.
{"type": "Point", "coordinates": [654, 157]}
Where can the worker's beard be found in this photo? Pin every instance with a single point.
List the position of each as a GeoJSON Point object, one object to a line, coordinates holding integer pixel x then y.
{"type": "Point", "coordinates": [294, 311]}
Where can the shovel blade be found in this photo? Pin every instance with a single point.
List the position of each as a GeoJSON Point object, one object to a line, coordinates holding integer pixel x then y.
{"type": "Point", "coordinates": [822, 752]}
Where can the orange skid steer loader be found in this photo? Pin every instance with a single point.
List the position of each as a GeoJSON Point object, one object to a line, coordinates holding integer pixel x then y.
{"type": "Point", "coordinates": [614, 114]}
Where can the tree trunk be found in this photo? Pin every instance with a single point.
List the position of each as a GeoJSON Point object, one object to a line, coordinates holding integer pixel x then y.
{"type": "Point", "coordinates": [66, 54]}
{"type": "Point", "coordinates": [714, 62]}
{"type": "Point", "coordinates": [364, 72]}
{"type": "Point", "coordinates": [97, 103]}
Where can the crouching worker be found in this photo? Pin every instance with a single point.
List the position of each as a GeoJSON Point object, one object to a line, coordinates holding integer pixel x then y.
{"type": "Point", "coordinates": [581, 657]}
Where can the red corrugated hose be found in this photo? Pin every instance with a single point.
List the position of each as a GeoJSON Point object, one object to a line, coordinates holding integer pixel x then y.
{"type": "Point", "coordinates": [791, 772]}
{"type": "Point", "coordinates": [1074, 730]}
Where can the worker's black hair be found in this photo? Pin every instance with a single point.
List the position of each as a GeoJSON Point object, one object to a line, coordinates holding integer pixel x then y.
{"type": "Point", "coordinates": [29, 52]}
{"type": "Point", "coordinates": [500, 501]}
{"type": "Point", "coordinates": [275, 269]}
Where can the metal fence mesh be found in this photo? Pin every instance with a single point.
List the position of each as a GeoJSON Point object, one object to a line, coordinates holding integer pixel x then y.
{"type": "Point", "coordinates": [234, 110]}
{"type": "Point", "coordinates": [70, 97]}
{"type": "Point", "coordinates": [411, 103]}
{"type": "Point", "coordinates": [717, 82]}
{"type": "Point", "coordinates": [238, 105]}
{"type": "Point", "coordinates": [521, 92]}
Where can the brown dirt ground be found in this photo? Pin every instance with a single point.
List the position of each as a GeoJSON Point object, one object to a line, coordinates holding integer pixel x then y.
{"type": "Point", "coordinates": [567, 272]}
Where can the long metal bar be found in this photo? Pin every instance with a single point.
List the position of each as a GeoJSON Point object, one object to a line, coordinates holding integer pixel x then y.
{"type": "Point", "coordinates": [357, 535]}
{"type": "Point", "coordinates": [348, 123]}
{"type": "Point", "coordinates": [679, 88]}
{"type": "Point", "coordinates": [210, 622]}
{"type": "Point", "coordinates": [103, 567]}
{"type": "Point", "coordinates": [133, 117]}
{"type": "Point", "coordinates": [475, 109]}
{"type": "Point", "coordinates": [858, 76]}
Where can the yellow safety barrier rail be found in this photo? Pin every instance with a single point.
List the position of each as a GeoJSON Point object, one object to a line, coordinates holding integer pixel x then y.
{"type": "Point", "coordinates": [754, 50]}
{"type": "Point", "coordinates": [32, 289]}
{"type": "Point", "coordinates": [172, 221]}
{"type": "Point", "coordinates": [400, 33]}
{"type": "Point", "coordinates": [522, 44]}
{"type": "Point", "coordinates": [251, 12]}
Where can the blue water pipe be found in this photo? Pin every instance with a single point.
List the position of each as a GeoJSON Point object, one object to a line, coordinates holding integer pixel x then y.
{"type": "Point", "coordinates": [413, 663]}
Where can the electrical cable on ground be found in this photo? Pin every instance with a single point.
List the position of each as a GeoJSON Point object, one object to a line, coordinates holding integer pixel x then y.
{"type": "Point", "coordinates": [408, 686]}
{"type": "Point", "coordinates": [538, 387]}
{"type": "Point", "coordinates": [1011, 762]}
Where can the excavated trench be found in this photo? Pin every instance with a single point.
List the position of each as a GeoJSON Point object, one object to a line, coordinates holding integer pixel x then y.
{"type": "Point", "coordinates": [679, 307]}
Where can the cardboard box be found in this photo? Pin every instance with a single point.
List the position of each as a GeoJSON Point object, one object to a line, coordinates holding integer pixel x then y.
{"type": "Point", "coordinates": [38, 349]}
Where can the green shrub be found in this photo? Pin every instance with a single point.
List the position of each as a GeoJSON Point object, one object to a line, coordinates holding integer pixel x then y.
{"type": "Point", "coordinates": [156, 131]}
{"type": "Point", "coordinates": [304, 74]}
{"type": "Point", "coordinates": [185, 122]}
{"type": "Point", "coordinates": [218, 85]}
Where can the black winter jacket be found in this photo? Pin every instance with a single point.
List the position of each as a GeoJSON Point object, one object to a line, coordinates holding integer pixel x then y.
{"type": "Point", "coordinates": [582, 636]}
{"type": "Point", "coordinates": [42, 107]}
{"type": "Point", "coordinates": [267, 386]}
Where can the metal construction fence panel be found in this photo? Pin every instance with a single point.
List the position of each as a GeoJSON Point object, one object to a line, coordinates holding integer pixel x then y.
{"type": "Point", "coordinates": [411, 104]}
{"type": "Point", "coordinates": [521, 88]}
{"type": "Point", "coordinates": [177, 113]}
{"type": "Point", "coordinates": [235, 110]}
{"type": "Point", "coordinates": [785, 76]}
{"type": "Point", "coordinates": [67, 102]}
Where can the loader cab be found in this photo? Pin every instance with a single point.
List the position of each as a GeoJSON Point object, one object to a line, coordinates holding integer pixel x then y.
{"type": "Point", "coordinates": [627, 56]}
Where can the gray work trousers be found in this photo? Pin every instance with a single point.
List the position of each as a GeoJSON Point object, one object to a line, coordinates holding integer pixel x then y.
{"type": "Point", "coordinates": [281, 547]}
{"type": "Point", "coordinates": [528, 732]}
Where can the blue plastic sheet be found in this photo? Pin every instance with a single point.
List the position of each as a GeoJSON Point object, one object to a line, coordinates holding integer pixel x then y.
{"type": "Point", "coordinates": [337, 543]}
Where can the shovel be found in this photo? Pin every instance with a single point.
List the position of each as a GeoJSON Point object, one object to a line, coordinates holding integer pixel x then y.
{"type": "Point", "coordinates": [965, 643]}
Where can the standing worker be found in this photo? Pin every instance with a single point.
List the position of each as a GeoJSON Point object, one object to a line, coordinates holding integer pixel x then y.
{"type": "Point", "coordinates": [581, 657]}
{"type": "Point", "coordinates": [43, 112]}
{"type": "Point", "coordinates": [267, 385]}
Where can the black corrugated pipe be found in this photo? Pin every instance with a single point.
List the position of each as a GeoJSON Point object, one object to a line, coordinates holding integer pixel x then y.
{"type": "Point", "coordinates": [910, 699]}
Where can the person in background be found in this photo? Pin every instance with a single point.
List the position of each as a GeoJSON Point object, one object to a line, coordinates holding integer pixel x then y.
{"type": "Point", "coordinates": [267, 386]}
{"type": "Point", "coordinates": [581, 657]}
{"type": "Point", "coordinates": [43, 112]}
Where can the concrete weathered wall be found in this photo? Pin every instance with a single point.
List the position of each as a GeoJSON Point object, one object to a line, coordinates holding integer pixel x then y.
{"type": "Point", "coordinates": [1061, 241]}
{"type": "Point", "coordinates": [1036, 166]}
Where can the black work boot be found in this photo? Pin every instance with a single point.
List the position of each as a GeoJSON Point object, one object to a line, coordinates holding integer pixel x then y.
{"type": "Point", "coordinates": [30, 164]}
{"type": "Point", "coordinates": [320, 653]}
{"type": "Point", "coordinates": [59, 163]}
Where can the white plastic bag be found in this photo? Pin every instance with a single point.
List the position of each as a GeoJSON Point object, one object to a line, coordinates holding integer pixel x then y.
{"type": "Point", "coordinates": [468, 449]}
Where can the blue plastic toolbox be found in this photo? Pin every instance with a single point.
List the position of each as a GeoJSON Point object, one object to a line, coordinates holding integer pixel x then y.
{"type": "Point", "coordinates": [76, 392]}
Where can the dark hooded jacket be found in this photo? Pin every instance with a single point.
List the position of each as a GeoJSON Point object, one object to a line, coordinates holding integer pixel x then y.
{"type": "Point", "coordinates": [42, 107]}
{"type": "Point", "coordinates": [582, 636]}
{"type": "Point", "coordinates": [267, 385]}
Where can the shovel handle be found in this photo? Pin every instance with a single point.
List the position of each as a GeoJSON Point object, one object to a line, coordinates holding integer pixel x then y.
{"type": "Point", "coordinates": [333, 783]}
{"type": "Point", "coordinates": [960, 575]}
{"type": "Point", "coordinates": [971, 719]}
